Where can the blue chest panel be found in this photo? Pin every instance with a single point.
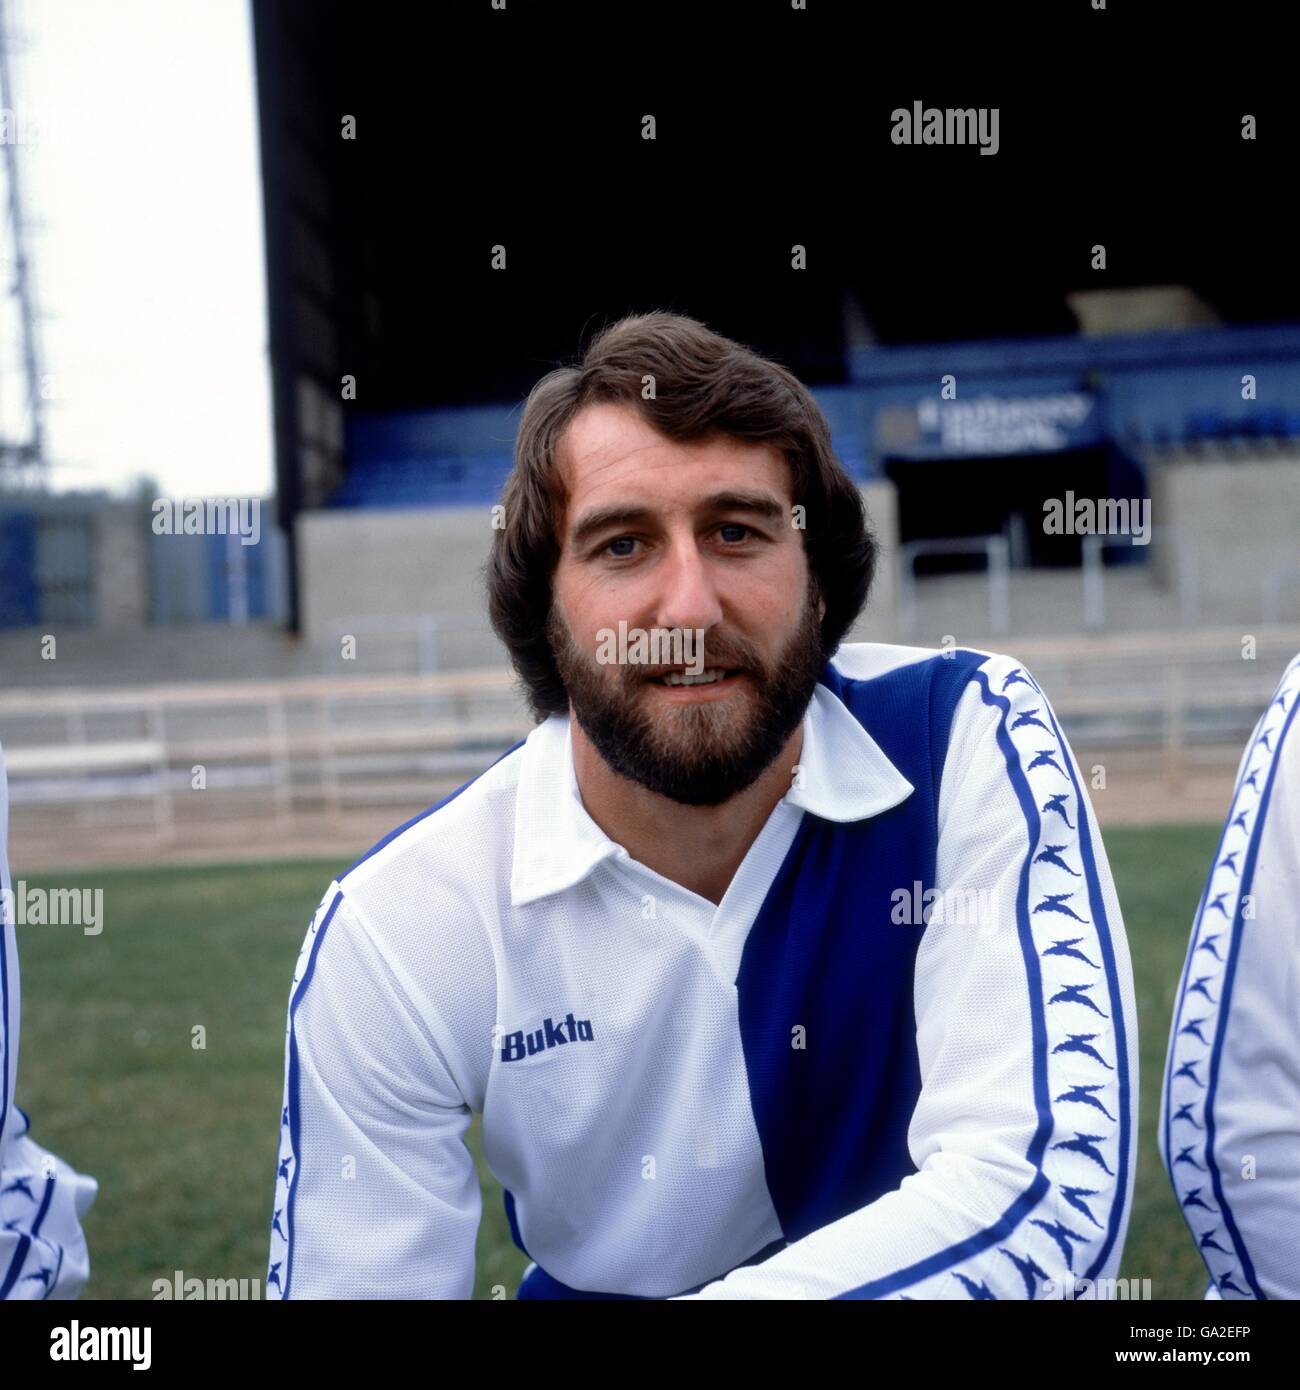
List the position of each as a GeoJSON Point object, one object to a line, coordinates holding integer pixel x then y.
{"type": "Point", "coordinates": [824, 957]}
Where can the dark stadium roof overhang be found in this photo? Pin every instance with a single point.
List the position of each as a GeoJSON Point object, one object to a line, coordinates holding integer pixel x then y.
{"type": "Point", "coordinates": [527, 135]}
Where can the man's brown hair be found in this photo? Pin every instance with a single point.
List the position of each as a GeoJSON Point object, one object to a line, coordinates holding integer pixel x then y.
{"type": "Point", "coordinates": [704, 385]}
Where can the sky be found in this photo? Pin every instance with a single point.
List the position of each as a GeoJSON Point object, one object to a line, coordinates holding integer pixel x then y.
{"type": "Point", "coordinates": [141, 179]}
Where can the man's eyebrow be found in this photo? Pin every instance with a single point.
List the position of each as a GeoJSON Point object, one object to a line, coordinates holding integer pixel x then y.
{"type": "Point", "coordinates": [591, 523]}
{"type": "Point", "coordinates": [761, 504]}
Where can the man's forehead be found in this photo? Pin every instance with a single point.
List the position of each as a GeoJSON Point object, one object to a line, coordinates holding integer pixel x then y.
{"type": "Point", "coordinates": [608, 447]}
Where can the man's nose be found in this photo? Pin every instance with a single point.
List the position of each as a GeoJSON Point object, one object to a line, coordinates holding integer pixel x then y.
{"type": "Point", "coordinates": [688, 595]}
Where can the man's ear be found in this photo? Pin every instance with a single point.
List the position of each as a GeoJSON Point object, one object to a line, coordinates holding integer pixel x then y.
{"type": "Point", "coordinates": [821, 609]}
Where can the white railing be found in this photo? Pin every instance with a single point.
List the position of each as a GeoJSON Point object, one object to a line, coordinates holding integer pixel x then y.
{"type": "Point", "coordinates": [284, 757]}
{"type": "Point", "coordinates": [997, 553]}
{"type": "Point", "coordinates": [1271, 589]}
{"type": "Point", "coordinates": [271, 749]}
{"type": "Point", "coordinates": [422, 634]}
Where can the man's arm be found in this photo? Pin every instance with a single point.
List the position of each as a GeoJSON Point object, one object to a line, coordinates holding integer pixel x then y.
{"type": "Point", "coordinates": [1023, 1135]}
{"type": "Point", "coordinates": [375, 1192]}
{"type": "Point", "coordinates": [1230, 1107]}
{"type": "Point", "coordinates": [42, 1199]}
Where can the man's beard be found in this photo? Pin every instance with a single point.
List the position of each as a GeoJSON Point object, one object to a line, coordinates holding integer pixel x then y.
{"type": "Point", "coordinates": [698, 754]}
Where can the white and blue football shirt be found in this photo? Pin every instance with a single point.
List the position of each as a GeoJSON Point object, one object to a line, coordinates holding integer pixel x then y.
{"type": "Point", "coordinates": [42, 1200]}
{"type": "Point", "coordinates": [897, 1060]}
{"type": "Point", "coordinates": [1230, 1106]}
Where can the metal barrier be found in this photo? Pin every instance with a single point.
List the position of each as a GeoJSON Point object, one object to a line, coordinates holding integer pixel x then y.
{"type": "Point", "coordinates": [1093, 564]}
{"type": "Point", "coordinates": [423, 631]}
{"type": "Point", "coordinates": [997, 552]}
{"type": "Point", "coordinates": [274, 747]}
{"type": "Point", "coordinates": [1271, 587]}
{"type": "Point", "coordinates": [287, 756]}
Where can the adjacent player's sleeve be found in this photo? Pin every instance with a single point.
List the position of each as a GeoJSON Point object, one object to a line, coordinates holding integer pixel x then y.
{"type": "Point", "coordinates": [376, 1195]}
{"type": "Point", "coordinates": [1229, 1130]}
{"type": "Point", "coordinates": [1024, 1133]}
{"type": "Point", "coordinates": [42, 1199]}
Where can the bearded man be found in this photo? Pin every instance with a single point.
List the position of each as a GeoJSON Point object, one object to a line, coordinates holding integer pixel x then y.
{"type": "Point", "coordinates": [668, 946]}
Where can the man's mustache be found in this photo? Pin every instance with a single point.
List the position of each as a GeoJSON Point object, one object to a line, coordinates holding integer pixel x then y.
{"type": "Point", "coordinates": [710, 661]}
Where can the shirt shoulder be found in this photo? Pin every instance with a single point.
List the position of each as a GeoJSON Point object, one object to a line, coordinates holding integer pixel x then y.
{"type": "Point", "coordinates": [860, 661]}
{"type": "Point", "coordinates": [457, 848]}
{"type": "Point", "coordinates": [429, 898]}
{"type": "Point", "coordinates": [957, 687]}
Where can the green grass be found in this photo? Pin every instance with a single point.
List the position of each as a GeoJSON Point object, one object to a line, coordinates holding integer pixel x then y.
{"type": "Point", "coordinates": [1159, 874]}
{"type": "Point", "coordinates": [183, 1140]}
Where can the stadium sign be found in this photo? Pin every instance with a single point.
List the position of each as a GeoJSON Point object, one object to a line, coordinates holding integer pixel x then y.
{"type": "Point", "coordinates": [1001, 425]}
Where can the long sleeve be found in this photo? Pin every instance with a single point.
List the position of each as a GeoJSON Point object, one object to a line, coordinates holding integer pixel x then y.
{"type": "Point", "coordinates": [376, 1195]}
{"type": "Point", "coordinates": [1024, 1133]}
{"type": "Point", "coordinates": [43, 1250]}
{"type": "Point", "coordinates": [1229, 1130]}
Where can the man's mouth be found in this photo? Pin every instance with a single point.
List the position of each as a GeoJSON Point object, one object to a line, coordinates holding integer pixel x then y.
{"type": "Point", "coordinates": [709, 676]}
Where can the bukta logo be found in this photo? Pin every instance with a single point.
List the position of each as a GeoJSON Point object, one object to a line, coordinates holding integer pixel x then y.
{"type": "Point", "coordinates": [521, 1044]}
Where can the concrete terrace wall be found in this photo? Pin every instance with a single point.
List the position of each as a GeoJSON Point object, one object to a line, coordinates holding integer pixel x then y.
{"type": "Point", "coordinates": [1225, 526]}
{"type": "Point", "coordinates": [362, 571]}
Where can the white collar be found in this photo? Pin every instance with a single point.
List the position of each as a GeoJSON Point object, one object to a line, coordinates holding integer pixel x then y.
{"type": "Point", "coordinates": [844, 776]}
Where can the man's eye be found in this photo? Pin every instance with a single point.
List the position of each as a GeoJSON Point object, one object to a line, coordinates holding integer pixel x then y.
{"type": "Point", "coordinates": [735, 526]}
{"type": "Point", "coordinates": [620, 540]}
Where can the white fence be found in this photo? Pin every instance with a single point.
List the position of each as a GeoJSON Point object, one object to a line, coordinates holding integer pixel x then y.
{"type": "Point", "coordinates": [162, 765]}
{"type": "Point", "coordinates": [166, 760]}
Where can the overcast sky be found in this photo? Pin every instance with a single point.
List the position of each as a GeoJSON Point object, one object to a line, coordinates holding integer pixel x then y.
{"type": "Point", "coordinates": [144, 188]}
